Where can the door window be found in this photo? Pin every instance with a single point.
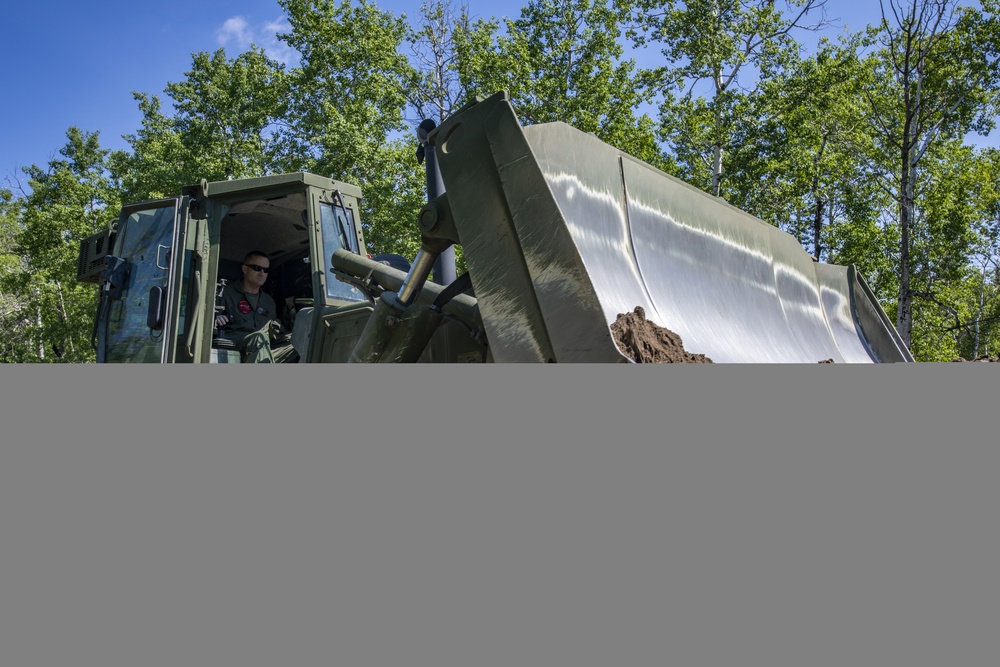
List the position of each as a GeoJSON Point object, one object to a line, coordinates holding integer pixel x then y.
{"type": "Point", "coordinates": [145, 240]}
{"type": "Point", "coordinates": [337, 225]}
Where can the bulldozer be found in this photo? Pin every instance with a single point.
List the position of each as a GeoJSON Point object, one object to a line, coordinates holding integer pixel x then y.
{"type": "Point", "coordinates": [562, 234]}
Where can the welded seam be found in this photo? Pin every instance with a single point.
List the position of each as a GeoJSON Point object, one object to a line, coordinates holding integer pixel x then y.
{"type": "Point", "coordinates": [631, 247]}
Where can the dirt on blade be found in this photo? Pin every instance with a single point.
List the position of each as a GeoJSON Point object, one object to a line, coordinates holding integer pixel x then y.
{"type": "Point", "coordinates": [645, 342]}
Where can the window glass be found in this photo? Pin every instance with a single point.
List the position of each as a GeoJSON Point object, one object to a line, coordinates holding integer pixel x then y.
{"type": "Point", "coordinates": [145, 247]}
{"type": "Point", "coordinates": [337, 226]}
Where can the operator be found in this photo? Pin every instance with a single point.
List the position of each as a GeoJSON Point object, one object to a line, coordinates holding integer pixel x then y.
{"type": "Point", "coordinates": [249, 311]}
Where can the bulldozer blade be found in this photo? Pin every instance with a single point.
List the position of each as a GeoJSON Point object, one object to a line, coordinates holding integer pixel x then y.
{"type": "Point", "coordinates": [562, 233]}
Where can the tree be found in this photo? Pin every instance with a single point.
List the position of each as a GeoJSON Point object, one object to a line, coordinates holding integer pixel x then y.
{"type": "Point", "coordinates": [346, 103]}
{"type": "Point", "coordinates": [985, 327]}
{"type": "Point", "coordinates": [223, 126]}
{"type": "Point", "coordinates": [954, 250]}
{"type": "Point", "coordinates": [347, 96]}
{"type": "Point", "coordinates": [227, 111]}
{"type": "Point", "coordinates": [72, 199]}
{"type": "Point", "coordinates": [715, 47]}
{"type": "Point", "coordinates": [435, 90]}
{"type": "Point", "coordinates": [562, 61]}
{"type": "Point", "coordinates": [794, 152]}
{"type": "Point", "coordinates": [14, 324]}
{"type": "Point", "coordinates": [936, 80]}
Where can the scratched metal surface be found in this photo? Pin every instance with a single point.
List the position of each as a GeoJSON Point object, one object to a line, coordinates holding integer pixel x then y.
{"type": "Point", "coordinates": [563, 233]}
{"type": "Point", "coordinates": [734, 288]}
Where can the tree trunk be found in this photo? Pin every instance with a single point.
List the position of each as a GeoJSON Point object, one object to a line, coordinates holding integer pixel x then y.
{"type": "Point", "coordinates": [818, 198]}
{"type": "Point", "coordinates": [979, 314]}
{"type": "Point", "coordinates": [904, 310]}
{"type": "Point", "coordinates": [817, 227]}
{"type": "Point", "coordinates": [41, 341]}
{"type": "Point", "coordinates": [64, 318]}
{"type": "Point", "coordinates": [717, 171]}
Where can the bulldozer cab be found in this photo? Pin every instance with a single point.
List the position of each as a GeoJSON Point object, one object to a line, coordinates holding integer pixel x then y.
{"type": "Point", "coordinates": [171, 259]}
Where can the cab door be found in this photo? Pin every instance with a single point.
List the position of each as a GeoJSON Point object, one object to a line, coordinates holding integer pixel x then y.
{"type": "Point", "coordinates": [140, 302]}
{"type": "Point", "coordinates": [340, 308]}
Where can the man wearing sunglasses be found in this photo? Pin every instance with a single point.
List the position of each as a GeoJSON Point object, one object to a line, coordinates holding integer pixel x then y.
{"type": "Point", "coordinates": [249, 310]}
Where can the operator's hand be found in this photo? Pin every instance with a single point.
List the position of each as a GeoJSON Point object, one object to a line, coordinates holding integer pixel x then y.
{"type": "Point", "coordinates": [221, 321]}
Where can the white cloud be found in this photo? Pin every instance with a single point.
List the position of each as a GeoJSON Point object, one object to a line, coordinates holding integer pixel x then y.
{"type": "Point", "coordinates": [237, 33]}
{"type": "Point", "coordinates": [278, 25]}
{"type": "Point", "coordinates": [276, 49]}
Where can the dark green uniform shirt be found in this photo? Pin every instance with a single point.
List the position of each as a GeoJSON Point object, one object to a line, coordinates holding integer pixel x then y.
{"type": "Point", "coordinates": [246, 312]}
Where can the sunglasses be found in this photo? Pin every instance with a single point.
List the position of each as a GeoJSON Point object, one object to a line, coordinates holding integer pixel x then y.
{"type": "Point", "coordinates": [257, 267]}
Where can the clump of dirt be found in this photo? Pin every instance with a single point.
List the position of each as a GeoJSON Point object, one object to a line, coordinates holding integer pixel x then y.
{"type": "Point", "coordinates": [644, 342]}
{"type": "Point", "coordinates": [826, 361]}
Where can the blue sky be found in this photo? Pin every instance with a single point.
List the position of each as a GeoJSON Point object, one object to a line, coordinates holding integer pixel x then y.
{"type": "Point", "coordinates": [76, 64]}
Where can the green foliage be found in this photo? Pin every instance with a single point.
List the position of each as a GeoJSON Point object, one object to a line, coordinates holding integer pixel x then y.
{"type": "Point", "coordinates": [73, 198]}
{"type": "Point", "coordinates": [347, 96]}
{"type": "Point", "coordinates": [223, 126]}
{"type": "Point", "coordinates": [832, 147]}
{"type": "Point", "coordinates": [226, 111]}
{"type": "Point", "coordinates": [955, 253]}
{"type": "Point", "coordinates": [562, 61]}
{"type": "Point", "coordinates": [936, 74]}
{"type": "Point", "coordinates": [394, 194]}
{"type": "Point", "coordinates": [345, 105]}
{"type": "Point", "coordinates": [14, 322]}
{"type": "Point", "coordinates": [794, 152]}
{"type": "Point", "coordinates": [710, 49]}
